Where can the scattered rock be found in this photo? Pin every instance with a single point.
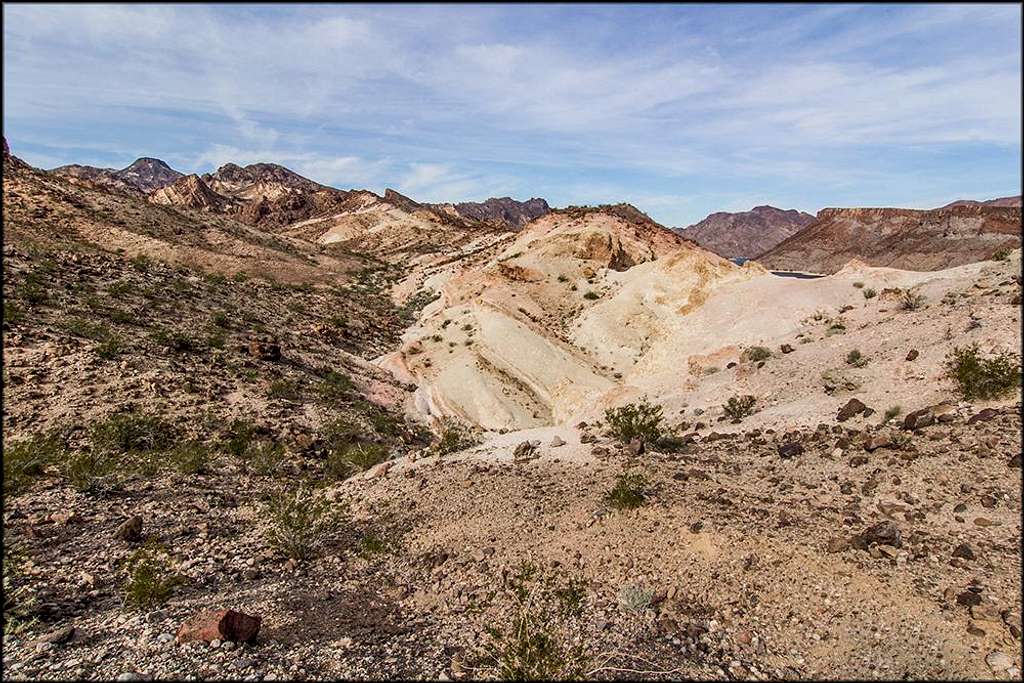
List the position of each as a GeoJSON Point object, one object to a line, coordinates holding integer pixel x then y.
{"type": "Point", "coordinates": [265, 348]}
{"type": "Point", "coordinates": [983, 416]}
{"type": "Point", "coordinates": [786, 348]}
{"type": "Point", "coordinates": [526, 450]}
{"type": "Point", "coordinates": [964, 551]}
{"type": "Point", "coordinates": [883, 533]}
{"type": "Point", "coordinates": [877, 441]}
{"type": "Point", "coordinates": [912, 354]}
{"type": "Point", "coordinates": [557, 441]}
{"type": "Point", "coordinates": [998, 661]}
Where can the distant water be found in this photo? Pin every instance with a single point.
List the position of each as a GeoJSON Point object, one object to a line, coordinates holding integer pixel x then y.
{"type": "Point", "coordinates": [739, 261]}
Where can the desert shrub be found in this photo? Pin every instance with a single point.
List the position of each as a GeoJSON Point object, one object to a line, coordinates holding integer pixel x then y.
{"type": "Point", "coordinates": [335, 385]}
{"type": "Point", "coordinates": [984, 378]}
{"type": "Point", "coordinates": [189, 458]}
{"type": "Point", "coordinates": [911, 300]}
{"type": "Point", "coordinates": [858, 285]}
{"type": "Point", "coordinates": [150, 579]}
{"type": "Point", "coordinates": [856, 359]}
{"type": "Point", "coordinates": [1001, 255]}
{"type": "Point", "coordinates": [371, 543]}
{"type": "Point", "coordinates": [900, 440]}
{"type": "Point", "coordinates": [19, 596]}
{"type": "Point", "coordinates": [346, 460]}
{"type": "Point", "coordinates": [109, 349]}
{"type": "Point", "coordinates": [541, 637]}
{"type": "Point", "coordinates": [629, 491]}
{"type": "Point", "coordinates": [12, 313]}
{"type": "Point", "coordinates": [80, 327]}
{"type": "Point", "coordinates": [240, 436]}
{"type": "Point", "coordinates": [562, 278]}
{"type": "Point", "coordinates": [739, 407]}
{"type": "Point", "coordinates": [301, 521]}
{"type": "Point", "coordinates": [178, 342]}
{"type": "Point", "coordinates": [88, 470]}
{"type": "Point", "coordinates": [25, 459]}
{"type": "Point", "coordinates": [128, 432]}
{"type": "Point", "coordinates": [635, 598]}
{"type": "Point", "coordinates": [592, 296]}
{"type": "Point", "coordinates": [670, 443]}
{"type": "Point", "coordinates": [264, 458]}
{"type": "Point", "coordinates": [891, 412]}
{"type": "Point", "coordinates": [869, 293]}
{"type": "Point", "coordinates": [285, 389]}
{"type": "Point", "coordinates": [635, 421]}
{"type": "Point", "coordinates": [453, 437]}
{"type": "Point", "coordinates": [835, 326]}
{"type": "Point", "coordinates": [755, 354]}
{"type": "Point", "coordinates": [33, 290]}
{"type": "Point", "coordinates": [141, 263]}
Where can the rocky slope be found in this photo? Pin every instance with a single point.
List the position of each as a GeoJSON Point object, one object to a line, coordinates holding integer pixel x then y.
{"type": "Point", "coordinates": [503, 212]}
{"type": "Point", "coordinates": [898, 238]}
{"type": "Point", "coordinates": [190, 192]}
{"type": "Point", "coordinates": [190, 400]}
{"type": "Point", "coordinates": [748, 233]}
{"type": "Point", "coordinates": [142, 176]}
{"type": "Point", "coordinates": [258, 181]}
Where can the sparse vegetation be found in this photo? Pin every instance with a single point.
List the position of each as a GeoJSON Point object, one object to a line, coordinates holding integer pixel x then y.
{"type": "Point", "coordinates": [911, 300]}
{"type": "Point", "coordinates": [189, 458]}
{"type": "Point", "coordinates": [835, 326]}
{"type": "Point", "coordinates": [755, 354]}
{"type": "Point", "coordinates": [629, 492]}
{"type": "Point", "coordinates": [635, 598]}
{"type": "Point", "coordinates": [344, 461]}
{"type": "Point", "coordinates": [25, 459]}
{"type": "Point", "coordinates": [983, 378]}
{"type": "Point", "coordinates": [453, 437]}
{"type": "Point", "coordinates": [891, 412]}
{"type": "Point", "coordinates": [1001, 255]}
{"type": "Point", "coordinates": [88, 470]}
{"type": "Point", "coordinates": [739, 407]}
{"type": "Point", "coordinates": [869, 293]}
{"type": "Point", "coordinates": [543, 639]}
{"type": "Point", "coordinates": [640, 420]}
{"type": "Point", "coordinates": [592, 296]}
{"type": "Point", "coordinates": [856, 359]}
{"type": "Point", "coordinates": [301, 521]}
{"type": "Point", "coordinates": [150, 579]}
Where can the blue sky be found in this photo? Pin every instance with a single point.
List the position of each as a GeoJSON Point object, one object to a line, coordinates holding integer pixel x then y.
{"type": "Point", "coordinates": [682, 110]}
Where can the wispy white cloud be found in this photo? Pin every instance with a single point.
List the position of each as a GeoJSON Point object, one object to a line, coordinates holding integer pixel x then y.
{"type": "Point", "coordinates": [681, 107]}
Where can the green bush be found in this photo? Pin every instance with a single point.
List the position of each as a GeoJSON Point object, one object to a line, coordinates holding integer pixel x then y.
{"type": "Point", "coordinates": [88, 470]}
{"type": "Point", "coordinates": [983, 378]}
{"type": "Point", "coordinates": [109, 349]}
{"type": "Point", "coordinates": [755, 354]}
{"type": "Point", "coordinates": [869, 293]}
{"type": "Point", "coordinates": [453, 437]}
{"type": "Point", "coordinates": [635, 421]}
{"type": "Point", "coordinates": [19, 594]}
{"type": "Point", "coordinates": [891, 412]}
{"type": "Point", "coordinates": [1001, 255]}
{"type": "Point", "coordinates": [285, 389]}
{"type": "Point", "coordinates": [128, 432]}
{"type": "Point", "coordinates": [541, 636]}
{"type": "Point", "coordinates": [265, 458]}
{"type": "Point", "coordinates": [175, 341]}
{"type": "Point", "coordinates": [25, 459]}
{"type": "Point", "coordinates": [301, 521]}
{"type": "Point", "coordinates": [335, 385]}
{"type": "Point", "coordinates": [346, 460]}
{"type": "Point", "coordinates": [629, 492]}
{"type": "Point", "coordinates": [189, 458]}
{"type": "Point", "coordinates": [739, 407]}
{"type": "Point", "coordinates": [150, 579]}
{"type": "Point", "coordinates": [592, 296]}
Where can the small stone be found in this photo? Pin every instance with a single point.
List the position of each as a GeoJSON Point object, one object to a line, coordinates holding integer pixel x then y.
{"type": "Point", "coordinates": [968, 599]}
{"type": "Point", "coordinates": [130, 530]}
{"type": "Point", "coordinates": [998, 661]}
{"type": "Point", "coordinates": [790, 450]}
{"type": "Point", "coordinates": [853, 407]}
{"type": "Point", "coordinates": [912, 354]}
{"type": "Point", "coordinates": [964, 551]}
{"type": "Point", "coordinates": [918, 419]}
{"type": "Point", "coordinates": [557, 441]}
{"type": "Point", "coordinates": [219, 624]}
{"type": "Point", "coordinates": [883, 533]}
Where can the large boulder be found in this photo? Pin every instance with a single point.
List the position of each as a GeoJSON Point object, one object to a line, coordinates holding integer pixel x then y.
{"type": "Point", "coordinates": [224, 624]}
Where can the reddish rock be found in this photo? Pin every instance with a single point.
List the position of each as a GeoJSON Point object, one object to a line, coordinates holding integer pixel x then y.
{"type": "Point", "coordinates": [786, 348]}
{"type": "Point", "coordinates": [130, 530]}
{"type": "Point", "coordinates": [918, 419]}
{"type": "Point", "coordinates": [877, 441]}
{"type": "Point", "coordinates": [853, 407]}
{"type": "Point", "coordinates": [225, 624]}
{"type": "Point", "coordinates": [983, 416]}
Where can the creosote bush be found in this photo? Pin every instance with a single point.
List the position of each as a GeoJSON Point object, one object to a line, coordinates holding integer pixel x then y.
{"type": "Point", "coordinates": [891, 412]}
{"type": "Point", "coordinates": [453, 437]}
{"type": "Point", "coordinates": [301, 521]}
{"type": "Point", "coordinates": [739, 407]}
{"type": "Point", "coordinates": [25, 459]}
{"type": "Point", "coordinates": [150, 579]}
{"type": "Point", "coordinates": [629, 491]}
{"type": "Point", "coordinates": [635, 421]}
{"type": "Point", "coordinates": [869, 293]}
{"type": "Point", "coordinates": [984, 378]}
{"type": "Point", "coordinates": [542, 636]}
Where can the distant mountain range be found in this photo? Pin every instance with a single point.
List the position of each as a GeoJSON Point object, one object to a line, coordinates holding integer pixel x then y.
{"type": "Point", "coordinates": [748, 233]}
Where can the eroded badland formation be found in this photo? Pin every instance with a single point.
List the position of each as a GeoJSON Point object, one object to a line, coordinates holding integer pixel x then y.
{"type": "Point", "coordinates": [455, 441]}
